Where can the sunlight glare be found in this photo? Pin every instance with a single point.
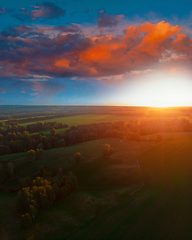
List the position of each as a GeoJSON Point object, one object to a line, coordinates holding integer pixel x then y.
{"type": "Point", "coordinates": [166, 92]}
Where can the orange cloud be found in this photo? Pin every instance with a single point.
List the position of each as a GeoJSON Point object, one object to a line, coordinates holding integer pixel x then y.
{"type": "Point", "coordinates": [139, 49]}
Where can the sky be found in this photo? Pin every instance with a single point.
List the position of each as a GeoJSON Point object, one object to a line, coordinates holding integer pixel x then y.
{"type": "Point", "coordinates": [82, 52]}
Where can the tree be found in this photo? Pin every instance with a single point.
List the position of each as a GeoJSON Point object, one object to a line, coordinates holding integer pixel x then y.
{"type": "Point", "coordinates": [26, 134]}
{"type": "Point", "coordinates": [107, 150]}
{"type": "Point", "coordinates": [39, 153]}
{"type": "Point", "coordinates": [77, 157]}
{"type": "Point", "coordinates": [53, 132]}
{"type": "Point", "coordinates": [31, 155]}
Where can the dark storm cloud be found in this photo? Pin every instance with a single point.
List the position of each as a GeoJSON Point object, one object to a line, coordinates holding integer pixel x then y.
{"type": "Point", "coordinates": [44, 11]}
{"type": "Point", "coordinates": [106, 20]}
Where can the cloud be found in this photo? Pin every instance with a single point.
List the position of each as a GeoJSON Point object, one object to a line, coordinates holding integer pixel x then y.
{"type": "Point", "coordinates": [27, 51]}
{"type": "Point", "coordinates": [46, 89]}
{"type": "Point", "coordinates": [63, 28]}
{"type": "Point", "coordinates": [4, 10]}
{"type": "Point", "coordinates": [44, 11]}
{"type": "Point", "coordinates": [106, 20]}
{"type": "Point", "coordinates": [84, 10]}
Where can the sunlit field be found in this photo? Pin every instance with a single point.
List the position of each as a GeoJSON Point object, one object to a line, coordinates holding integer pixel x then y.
{"type": "Point", "coordinates": [141, 184]}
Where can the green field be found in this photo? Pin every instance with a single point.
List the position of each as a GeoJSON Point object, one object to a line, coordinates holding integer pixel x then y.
{"type": "Point", "coordinates": [162, 209]}
{"type": "Point", "coordinates": [109, 202]}
{"type": "Point", "coordinates": [102, 184]}
{"type": "Point", "coordinates": [86, 119]}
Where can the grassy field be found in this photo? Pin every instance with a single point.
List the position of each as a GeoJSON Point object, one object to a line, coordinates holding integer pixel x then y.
{"type": "Point", "coordinates": [84, 119]}
{"type": "Point", "coordinates": [102, 184]}
{"type": "Point", "coordinates": [162, 209]}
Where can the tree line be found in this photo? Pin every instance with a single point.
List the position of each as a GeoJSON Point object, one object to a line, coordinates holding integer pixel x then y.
{"type": "Point", "coordinates": [14, 127]}
{"type": "Point", "coordinates": [14, 142]}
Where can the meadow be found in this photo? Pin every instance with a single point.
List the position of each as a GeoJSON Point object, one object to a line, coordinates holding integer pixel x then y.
{"type": "Point", "coordinates": [103, 183]}
{"type": "Point", "coordinates": [88, 119]}
{"type": "Point", "coordinates": [162, 209]}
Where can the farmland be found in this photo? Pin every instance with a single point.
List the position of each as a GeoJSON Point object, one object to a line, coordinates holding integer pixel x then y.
{"type": "Point", "coordinates": [102, 184]}
{"type": "Point", "coordinates": [162, 209]}
{"type": "Point", "coordinates": [143, 184]}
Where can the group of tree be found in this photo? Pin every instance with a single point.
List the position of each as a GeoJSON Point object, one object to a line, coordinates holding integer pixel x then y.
{"type": "Point", "coordinates": [33, 155]}
{"type": "Point", "coordinates": [14, 127]}
{"type": "Point", "coordinates": [42, 193]}
{"type": "Point", "coordinates": [14, 142]}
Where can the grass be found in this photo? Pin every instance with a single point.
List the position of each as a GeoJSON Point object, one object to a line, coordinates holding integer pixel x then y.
{"type": "Point", "coordinates": [102, 184]}
{"type": "Point", "coordinates": [162, 209]}
{"type": "Point", "coordinates": [86, 119]}
{"type": "Point", "coordinates": [83, 119]}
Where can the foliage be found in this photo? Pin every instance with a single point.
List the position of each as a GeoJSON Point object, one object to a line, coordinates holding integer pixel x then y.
{"type": "Point", "coordinates": [13, 141]}
{"type": "Point", "coordinates": [42, 193]}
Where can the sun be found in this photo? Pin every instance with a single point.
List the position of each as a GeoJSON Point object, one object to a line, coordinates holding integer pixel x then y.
{"type": "Point", "coordinates": [167, 93]}
{"type": "Point", "coordinates": [159, 92]}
